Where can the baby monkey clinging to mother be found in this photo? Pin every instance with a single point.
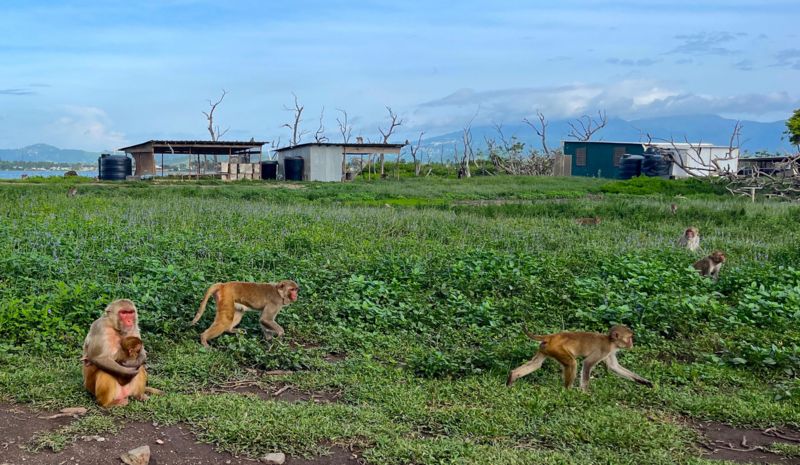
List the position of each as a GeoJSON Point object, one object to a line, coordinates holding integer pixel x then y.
{"type": "Point", "coordinates": [564, 347]}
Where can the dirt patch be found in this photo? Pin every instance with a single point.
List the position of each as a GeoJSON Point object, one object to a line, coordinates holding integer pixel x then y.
{"type": "Point", "coordinates": [19, 424]}
{"type": "Point", "coordinates": [281, 391]}
{"type": "Point", "coordinates": [337, 456]}
{"type": "Point", "coordinates": [743, 445]}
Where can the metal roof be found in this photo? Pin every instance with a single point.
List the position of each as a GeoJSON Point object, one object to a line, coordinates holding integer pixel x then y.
{"type": "Point", "coordinates": [654, 144]}
{"type": "Point", "coordinates": [361, 146]}
{"type": "Point", "coordinates": [193, 146]}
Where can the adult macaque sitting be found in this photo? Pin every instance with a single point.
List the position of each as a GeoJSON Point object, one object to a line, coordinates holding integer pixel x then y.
{"type": "Point", "coordinates": [109, 381]}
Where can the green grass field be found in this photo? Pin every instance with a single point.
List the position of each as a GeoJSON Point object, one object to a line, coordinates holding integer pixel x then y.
{"type": "Point", "coordinates": [420, 288]}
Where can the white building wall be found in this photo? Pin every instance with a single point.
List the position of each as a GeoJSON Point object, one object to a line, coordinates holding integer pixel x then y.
{"type": "Point", "coordinates": [320, 163]}
{"type": "Point", "coordinates": [326, 164]}
{"type": "Point", "coordinates": [691, 159]}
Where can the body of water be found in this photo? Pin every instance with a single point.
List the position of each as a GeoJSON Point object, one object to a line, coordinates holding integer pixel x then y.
{"type": "Point", "coordinates": [17, 174]}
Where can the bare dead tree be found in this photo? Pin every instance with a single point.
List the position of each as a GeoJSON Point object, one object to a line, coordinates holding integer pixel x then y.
{"type": "Point", "coordinates": [466, 137]}
{"type": "Point", "coordinates": [346, 130]}
{"type": "Point", "coordinates": [413, 150]}
{"type": "Point", "coordinates": [213, 130]}
{"type": "Point", "coordinates": [588, 126]}
{"type": "Point", "coordinates": [540, 129]}
{"type": "Point", "coordinates": [319, 136]}
{"type": "Point", "coordinates": [510, 156]}
{"type": "Point", "coordinates": [394, 122]}
{"type": "Point", "coordinates": [294, 126]}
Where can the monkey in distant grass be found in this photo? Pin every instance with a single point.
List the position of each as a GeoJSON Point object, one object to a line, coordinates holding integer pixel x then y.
{"type": "Point", "coordinates": [673, 208]}
{"type": "Point", "coordinates": [564, 347]}
{"type": "Point", "coordinates": [234, 298]}
{"type": "Point", "coordinates": [710, 266]}
{"type": "Point", "coordinates": [72, 192]}
{"type": "Point", "coordinates": [690, 239]}
{"type": "Point", "coordinates": [594, 220]}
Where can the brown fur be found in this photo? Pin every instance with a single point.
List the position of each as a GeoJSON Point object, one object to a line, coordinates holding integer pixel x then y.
{"type": "Point", "coordinates": [673, 208]}
{"type": "Point", "coordinates": [110, 382]}
{"type": "Point", "coordinates": [131, 347]}
{"type": "Point", "coordinates": [72, 192]}
{"type": "Point", "coordinates": [690, 239]}
{"type": "Point", "coordinates": [234, 298]}
{"type": "Point", "coordinates": [564, 347]}
{"type": "Point", "coordinates": [710, 265]}
{"type": "Point", "coordinates": [588, 221]}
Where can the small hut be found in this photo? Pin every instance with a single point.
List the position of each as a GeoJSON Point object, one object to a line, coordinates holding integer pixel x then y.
{"type": "Point", "coordinates": [326, 161]}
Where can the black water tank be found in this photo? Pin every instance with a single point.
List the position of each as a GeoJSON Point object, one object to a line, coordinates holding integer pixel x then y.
{"type": "Point", "coordinates": [293, 168]}
{"type": "Point", "coordinates": [269, 169]}
{"type": "Point", "coordinates": [656, 165]}
{"type": "Point", "coordinates": [114, 167]}
{"type": "Point", "coordinates": [630, 166]}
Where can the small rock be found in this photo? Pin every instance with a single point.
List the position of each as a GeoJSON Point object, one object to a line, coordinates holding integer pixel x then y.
{"type": "Point", "coordinates": [275, 458]}
{"type": "Point", "coordinates": [159, 441]}
{"type": "Point", "coordinates": [138, 456]}
{"type": "Point", "coordinates": [94, 438]}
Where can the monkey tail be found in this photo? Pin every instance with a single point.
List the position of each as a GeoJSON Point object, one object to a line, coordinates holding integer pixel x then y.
{"type": "Point", "coordinates": [211, 290]}
{"type": "Point", "coordinates": [537, 337]}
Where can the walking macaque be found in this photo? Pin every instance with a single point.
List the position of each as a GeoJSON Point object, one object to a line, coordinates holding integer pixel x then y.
{"type": "Point", "coordinates": [588, 221]}
{"type": "Point", "coordinates": [72, 192]}
{"type": "Point", "coordinates": [564, 347]}
{"type": "Point", "coordinates": [709, 266]}
{"type": "Point", "coordinates": [690, 239]}
{"type": "Point", "coordinates": [234, 298]}
{"type": "Point", "coordinates": [109, 381]}
{"type": "Point", "coordinates": [673, 208]}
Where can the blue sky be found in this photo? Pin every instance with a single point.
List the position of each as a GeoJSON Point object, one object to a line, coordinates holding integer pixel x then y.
{"type": "Point", "coordinates": [100, 75]}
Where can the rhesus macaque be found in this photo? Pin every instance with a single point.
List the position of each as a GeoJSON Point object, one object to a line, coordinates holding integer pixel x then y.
{"type": "Point", "coordinates": [673, 208]}
{"type": "Point", "coordinates": [709, 266]}
{"type": "Point", "coordinates": [72, 192]}
{"type": "Point", "coordinates": [564, 347]}
{"type": "Point", "coordinates": [103, 376]}
{"type": "Point", "coordinates": [587, 221]}
{"type": "Point", "coordinates": [129, 355]}
{"type": "Point", "coordinates": [234, 298]}
{"type": "Point", "coordinates": [690, 239]}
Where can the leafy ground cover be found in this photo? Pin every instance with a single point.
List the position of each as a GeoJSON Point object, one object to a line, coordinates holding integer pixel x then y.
{"type": "Point", "coordinates": [414, 296]}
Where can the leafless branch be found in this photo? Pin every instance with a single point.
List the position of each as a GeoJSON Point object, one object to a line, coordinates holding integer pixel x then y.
{"type": "Point", "coordinates": [294, 126]}
{"type": "Point", "coordinates": [414, 149]}
{"type": "Point", "coordinates": [344, 129]}
{"type": "Point", "coordinates": [588, 126]}
{"type": "Point", "coordinates": [319, 136]}
{"type": "Point", "coordinates": [214, 130]}
{"type": "Point", "coordinates": [540, 129]}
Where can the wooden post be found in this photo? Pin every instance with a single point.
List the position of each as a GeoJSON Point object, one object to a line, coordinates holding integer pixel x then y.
{"type": "Point", "coordinates": [162, 164]}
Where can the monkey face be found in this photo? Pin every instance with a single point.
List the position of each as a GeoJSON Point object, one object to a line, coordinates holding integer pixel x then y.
{"type": "Point", "coordinates": [718, 256]}
{"type": "Point", "coordinates": [690, 233]}
{"type": "Point", "coordinates": [289, 290]}
{"type": "Point", "coordinates": [127, 317]}
{"type": "Point", "coordinates": [622, 336]}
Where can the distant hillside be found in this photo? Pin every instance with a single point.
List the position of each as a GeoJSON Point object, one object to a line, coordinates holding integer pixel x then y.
{"type": "Point", "coordinates": [706, 128]}
{"type": "Point", "coordinates": [44, 152]}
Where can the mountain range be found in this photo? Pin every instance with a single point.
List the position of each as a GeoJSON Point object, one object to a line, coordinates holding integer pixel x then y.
{"type": "Point", "coordinates": [755, 136]}
{"type": "Point", "coordinates": [44, 152]}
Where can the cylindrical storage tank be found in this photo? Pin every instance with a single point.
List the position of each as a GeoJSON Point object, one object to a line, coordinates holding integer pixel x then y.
{"type": "Point", "coordinates": [656, 165]}
{"type": "Point", "coordinates": [293, 168]}
{"type": "Point", "coordinates": [114, 167]}
{"type": "Point", "coordinates": [269, 169]}
{"type": "Point", "coordinates": [630, 166]}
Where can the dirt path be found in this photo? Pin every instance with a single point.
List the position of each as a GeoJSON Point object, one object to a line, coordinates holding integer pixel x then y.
{"type": "Point", "coordinates": [750, 444]}
{"type": "Point", "coordinates": [18, 425]}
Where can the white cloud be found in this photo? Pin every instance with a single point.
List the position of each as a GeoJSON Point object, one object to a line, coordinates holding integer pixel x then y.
{"type": "Point", "coordinates": [631, 98]}
{"type": "Point", "coordinates": [85, 127]}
